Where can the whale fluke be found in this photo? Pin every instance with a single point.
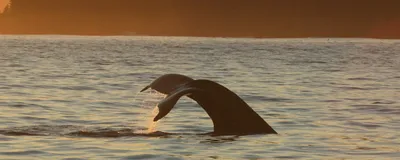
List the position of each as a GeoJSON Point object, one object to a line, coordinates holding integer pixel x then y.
{"type": "Point", "coordinates": [228, 112]}
{"type": "Point", "coordinates": [166, 105]}
{"type": "Point", "coordinates": [167, 83]}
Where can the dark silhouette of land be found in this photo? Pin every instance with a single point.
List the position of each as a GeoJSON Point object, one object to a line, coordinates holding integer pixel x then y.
{"type": "Point", "coordinates": [205, 18]}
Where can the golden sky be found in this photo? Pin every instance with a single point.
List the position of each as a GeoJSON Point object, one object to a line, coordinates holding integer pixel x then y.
{"type": "Point", "coordinates": [268, 18]}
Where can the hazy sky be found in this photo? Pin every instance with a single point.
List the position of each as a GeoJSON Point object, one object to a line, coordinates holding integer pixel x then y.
{"type": "Point", "coordinates": [212, 18]}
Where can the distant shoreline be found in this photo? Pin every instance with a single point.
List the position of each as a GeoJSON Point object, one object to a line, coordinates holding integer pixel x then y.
{"type": "Point", "coordinates": [144, 35]}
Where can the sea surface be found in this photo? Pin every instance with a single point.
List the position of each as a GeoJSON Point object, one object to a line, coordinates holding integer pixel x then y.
{"type": "Point", "coordinates": [77, 97]}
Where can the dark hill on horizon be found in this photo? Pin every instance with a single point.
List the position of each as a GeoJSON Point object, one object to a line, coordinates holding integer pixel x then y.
{"type": "Point", "coordinates": [205, 18]}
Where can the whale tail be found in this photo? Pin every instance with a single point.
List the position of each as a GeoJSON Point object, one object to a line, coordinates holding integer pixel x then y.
{"type": "Point", "coordinates": [228, 112]}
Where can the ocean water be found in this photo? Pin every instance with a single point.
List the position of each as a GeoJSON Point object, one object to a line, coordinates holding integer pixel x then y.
{"type": "Point", "coordinates": [76, 97]}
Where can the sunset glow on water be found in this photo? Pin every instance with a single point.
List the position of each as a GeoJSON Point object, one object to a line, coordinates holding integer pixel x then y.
{"type": "Point", "coordinates": [76, 97]}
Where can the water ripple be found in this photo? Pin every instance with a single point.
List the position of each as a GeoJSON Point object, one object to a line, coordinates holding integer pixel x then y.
{"type": "Point", "coordinates": [30, 152]}
{"type": "Point", "coordinates": [74, 97]}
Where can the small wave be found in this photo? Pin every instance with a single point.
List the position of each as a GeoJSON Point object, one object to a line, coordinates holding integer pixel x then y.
{"type": "Point", "coordinates": [361, 79]}
{"type": "Point", "coordinates": [78, 88]}
{"type": "Point", "coordinates": [331, 101]}
{"type": "Point", "coordinates": [30, 152]}
{"type": "Point", "coordinates": [17, 133]}
{"type": "Point", "coordinates": [384, 102]}
{"type": "Point", "coordinates": [15, 65]}
{"type": "Point", "coordinates": [375, 108]}
{"type": "Point", "coordinates": [365, 125]}
{"type": "Point", "coordinates": [223, 139]}
{"type": "Point", "coordinates": [365, 148]}
{"type": "Point", "coordinates": [295, 63]}
{"type": "Point", "coordinates": [265, 99]}
{"type": "Point", "coordinates": [29, 118]}
{"type": "Point", "coordinates": [121, 133]}
{"type": "Point", "coordinates": [358, 88]}
{"type": "Point", "coordinates": [73, 159]}
{"type": "Point", "coordinates": [25, 105]}
{"type": "Point", "coordinates": [142, 156]}
{"type": "Point", "coordinates": [16, 86]}
{"type": "Point", "coordinates": [79, 131]}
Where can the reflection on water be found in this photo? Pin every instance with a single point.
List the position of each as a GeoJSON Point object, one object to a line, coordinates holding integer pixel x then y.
{"type": "Point", "coordinates": [71, 97]}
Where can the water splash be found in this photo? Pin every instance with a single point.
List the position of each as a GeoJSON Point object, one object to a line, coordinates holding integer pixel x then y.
{"type": "Point", "coordinates": [149, 100]}
{"type": "Point", "coordinates": [152, 125]}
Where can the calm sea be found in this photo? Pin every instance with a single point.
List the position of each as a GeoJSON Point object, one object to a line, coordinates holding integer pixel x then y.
{"type": "Point", "coordinates": [76, 97]}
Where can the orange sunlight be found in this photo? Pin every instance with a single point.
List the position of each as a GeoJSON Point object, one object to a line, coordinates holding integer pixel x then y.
{"type": "Point", "coordinates": [3, 4]}
{"type": "Point", "coordinates": [262, 19]}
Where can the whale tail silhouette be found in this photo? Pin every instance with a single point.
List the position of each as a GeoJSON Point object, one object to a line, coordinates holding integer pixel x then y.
{"type": "Point", "coordinates": [228, 112]}
{"type": "Point", "coordinates": [167, 83]}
